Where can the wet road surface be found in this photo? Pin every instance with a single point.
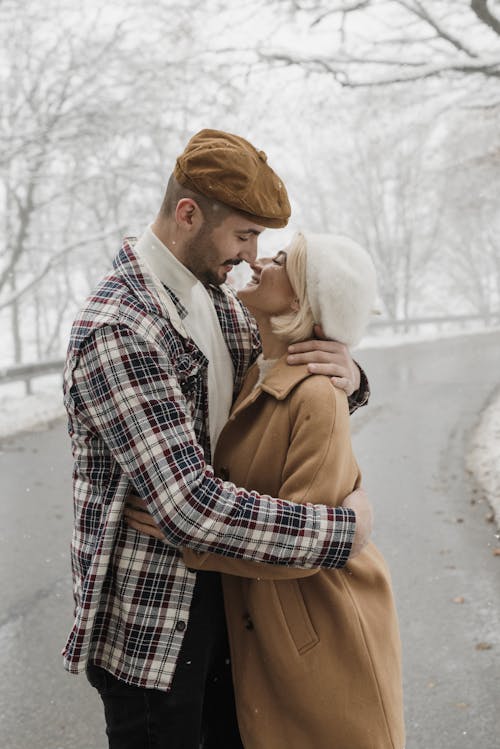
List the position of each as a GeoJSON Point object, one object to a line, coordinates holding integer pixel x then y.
{"type": "Point", "coordinates": [430, 523]}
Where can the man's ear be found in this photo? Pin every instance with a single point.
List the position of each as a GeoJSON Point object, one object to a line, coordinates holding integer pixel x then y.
{"type": "Point", "coordinates": [188, 214]}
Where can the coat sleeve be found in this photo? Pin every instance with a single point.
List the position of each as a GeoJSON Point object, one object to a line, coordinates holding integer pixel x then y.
{"type": "Point", "coordinates": [318, 469]}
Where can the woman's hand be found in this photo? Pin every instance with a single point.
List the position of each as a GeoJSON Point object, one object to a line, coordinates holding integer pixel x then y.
{"type": "Point", "coordinates": [329, 358]}
{"type": "Point", "coordinates": [138, 517]}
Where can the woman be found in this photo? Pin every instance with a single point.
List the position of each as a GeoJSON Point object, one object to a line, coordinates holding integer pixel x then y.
{"type": "Point", "coordinates": [315, 653]}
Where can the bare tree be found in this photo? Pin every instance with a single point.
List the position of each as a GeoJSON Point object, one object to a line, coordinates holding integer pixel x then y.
{"type": "Point", "coordinates": [471, 247]}
{"type": "Point", "coordinates": [51, 107]}
{"type": "Point", "coordinates": [381, 42]}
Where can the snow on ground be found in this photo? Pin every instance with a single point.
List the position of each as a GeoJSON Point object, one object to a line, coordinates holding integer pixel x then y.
{"type": "Point", "coordinates": [484, 457]}
{"type": "Point", "coordinates": [26, 413]}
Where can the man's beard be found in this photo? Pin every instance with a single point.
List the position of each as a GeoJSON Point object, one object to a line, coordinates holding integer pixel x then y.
{"type": "Point", "coordinates": [201, 257]}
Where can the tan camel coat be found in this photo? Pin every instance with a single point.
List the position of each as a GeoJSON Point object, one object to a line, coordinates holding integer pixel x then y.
{"type": "Point", "coordinates": [315, 653]}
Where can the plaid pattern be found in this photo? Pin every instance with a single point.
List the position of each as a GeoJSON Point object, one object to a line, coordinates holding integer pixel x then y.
{"type": "Point", "coordinates": [135, 388]}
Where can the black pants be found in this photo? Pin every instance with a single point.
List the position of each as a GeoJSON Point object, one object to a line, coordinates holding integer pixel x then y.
{"type": "Point", "coordinates": [199, 710]}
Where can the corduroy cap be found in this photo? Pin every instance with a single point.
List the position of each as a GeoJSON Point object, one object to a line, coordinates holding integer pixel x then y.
{"type": "Point", "coordinates": [229, 169]}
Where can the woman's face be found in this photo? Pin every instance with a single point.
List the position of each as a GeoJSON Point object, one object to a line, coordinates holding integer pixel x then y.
{"type": "Point", "coordinates": [269, 290]}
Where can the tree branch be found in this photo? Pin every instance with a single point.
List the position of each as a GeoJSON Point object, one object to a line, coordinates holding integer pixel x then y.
{"type": "Point", "coordinates": [480, 8]}
{"type": "Point", "coordinates": [339, 67]}
{"type": "Point", "coordinates": [421, 12]}
{"type": "Point", "coordinates": [50, 264]}
{"type": "Point", "coordinates": [344, 8]}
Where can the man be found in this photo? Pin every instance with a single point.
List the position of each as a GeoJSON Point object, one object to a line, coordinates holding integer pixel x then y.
{"type": "Point", "coordinates": [154, 361]}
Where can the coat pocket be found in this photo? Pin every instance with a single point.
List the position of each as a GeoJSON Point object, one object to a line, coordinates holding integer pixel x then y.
{"type": "Point", "coordinates": [296, 615]}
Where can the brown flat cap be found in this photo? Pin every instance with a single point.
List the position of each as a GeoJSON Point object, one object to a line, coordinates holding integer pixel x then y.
{"type": "Point", "coordinates": [229, 169]}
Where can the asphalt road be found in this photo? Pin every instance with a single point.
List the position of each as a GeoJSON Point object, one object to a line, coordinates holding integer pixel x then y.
{"type": "Point", "coordinates": [430, 523]}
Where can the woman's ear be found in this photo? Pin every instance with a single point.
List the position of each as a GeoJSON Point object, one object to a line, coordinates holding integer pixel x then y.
{"type": "Point", "coordinates": [295, 305]}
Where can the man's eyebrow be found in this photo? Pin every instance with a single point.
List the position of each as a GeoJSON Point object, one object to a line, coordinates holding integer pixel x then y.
{"type": "Point", "coordinates": [248, 231]}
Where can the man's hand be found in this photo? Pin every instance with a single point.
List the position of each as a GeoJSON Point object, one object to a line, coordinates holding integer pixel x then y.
{"type": "Point", "coordinates": [329, 358]}
{"type": "Point", "coordinates": [359, 502]}
{"type": "Point", "coordinates": [138, 517]}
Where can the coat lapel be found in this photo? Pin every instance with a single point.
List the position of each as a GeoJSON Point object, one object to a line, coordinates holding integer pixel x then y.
{"type": "Point", "coordinates": [278, 382]}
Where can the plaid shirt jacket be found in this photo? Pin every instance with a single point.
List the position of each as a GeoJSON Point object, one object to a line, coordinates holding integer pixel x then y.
{"type": "Point", "coordinates": [135, 389]}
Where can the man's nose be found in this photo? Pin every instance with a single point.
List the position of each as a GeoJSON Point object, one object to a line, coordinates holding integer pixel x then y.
{"type": "Point", "coordinates": [256, 266]}
{"type": "Point", "coordinates": [249, 252]}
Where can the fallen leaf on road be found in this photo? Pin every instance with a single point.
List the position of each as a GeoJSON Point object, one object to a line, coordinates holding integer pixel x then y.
{"type": "Point", "coordinates": [496, 552]}
{"type": "Point", "coordinates": [484, 646]}
{"type": "Point", "coordinates": [461, 705]}
{"type": "Point", "coordinates": [458, 599]}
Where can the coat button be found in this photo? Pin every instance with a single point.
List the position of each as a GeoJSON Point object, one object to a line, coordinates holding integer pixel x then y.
{"type": "Point", "coordinates": [247, 621]}
{"type": "Point", "coordinates": [180, 626]}
{"type": "Point", "coordinates": [224, 473]}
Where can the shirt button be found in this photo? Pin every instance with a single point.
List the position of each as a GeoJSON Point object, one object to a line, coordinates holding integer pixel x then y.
{"type": "Point", "coordinates": [248, 621]}
{"type": "Point", "coordinates": [180, 626]}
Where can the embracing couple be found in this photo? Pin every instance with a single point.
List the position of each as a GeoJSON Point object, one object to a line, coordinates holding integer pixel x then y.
{"type": "Point", "coordinates": [226, 591]}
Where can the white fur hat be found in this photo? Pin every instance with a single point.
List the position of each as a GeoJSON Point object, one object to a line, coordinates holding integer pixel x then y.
{"type": "Point", "coordinates": [341, 285]}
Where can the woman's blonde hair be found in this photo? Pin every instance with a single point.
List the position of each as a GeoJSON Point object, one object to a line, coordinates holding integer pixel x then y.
{"type": "Point", "coordinates": [296, 326]}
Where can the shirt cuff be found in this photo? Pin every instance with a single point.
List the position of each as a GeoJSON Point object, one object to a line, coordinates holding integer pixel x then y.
{"type": "Point", "coordinates": [338, 547]}
{"type": "Point", "coordinates": [361, 395]}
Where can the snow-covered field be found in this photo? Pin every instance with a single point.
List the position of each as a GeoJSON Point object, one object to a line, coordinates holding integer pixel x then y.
{"type": "Point", "coordinates": [26, 413]}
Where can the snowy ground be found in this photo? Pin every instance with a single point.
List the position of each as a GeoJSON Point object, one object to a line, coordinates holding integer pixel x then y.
{"type": "Point", "coordinates": [26, 413]}
{"type": "Point", "coordinates": [483, 459]}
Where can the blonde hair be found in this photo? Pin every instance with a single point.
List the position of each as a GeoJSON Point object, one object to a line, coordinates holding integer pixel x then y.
{"type": "Point", "coordinates": [296, 326]}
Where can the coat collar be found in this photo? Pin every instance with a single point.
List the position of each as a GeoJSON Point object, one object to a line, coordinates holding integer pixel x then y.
{"type": "Point", "coordinates": [281, 379]}
{"type": "Point", "coordinates": [278, 382]}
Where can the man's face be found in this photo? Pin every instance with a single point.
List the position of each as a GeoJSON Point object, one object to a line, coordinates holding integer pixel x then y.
{"type": "Point", "coordinates": [214, 250]}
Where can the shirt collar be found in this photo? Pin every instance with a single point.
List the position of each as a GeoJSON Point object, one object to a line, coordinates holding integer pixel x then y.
{"type": "Point", "coordinates": [163, 263]}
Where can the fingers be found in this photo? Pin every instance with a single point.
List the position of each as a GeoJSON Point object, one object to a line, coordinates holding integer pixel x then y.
{"type": "Point", "coordinates": [144, 518]}
{"type": "Point", "coordinates": [325, 366]}
{"type": "Point", "coordinates": [345, 384]}
{"type": "Point", "coordinates": [312, 357]}
{"type": "Point", "coordinates": [134, 501]}
{"type": "Point", "coordinates": [147, 530]}
{"type": "Point", "coordinates": [333, 347]}
{"type": "Point", "coordinates": [137, 517]}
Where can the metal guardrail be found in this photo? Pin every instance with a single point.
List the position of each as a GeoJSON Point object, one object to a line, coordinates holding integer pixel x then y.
{"type": "Point", "coordinates": [27, 372]}
{"type": "Point", "coordinates": [413, 322]}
